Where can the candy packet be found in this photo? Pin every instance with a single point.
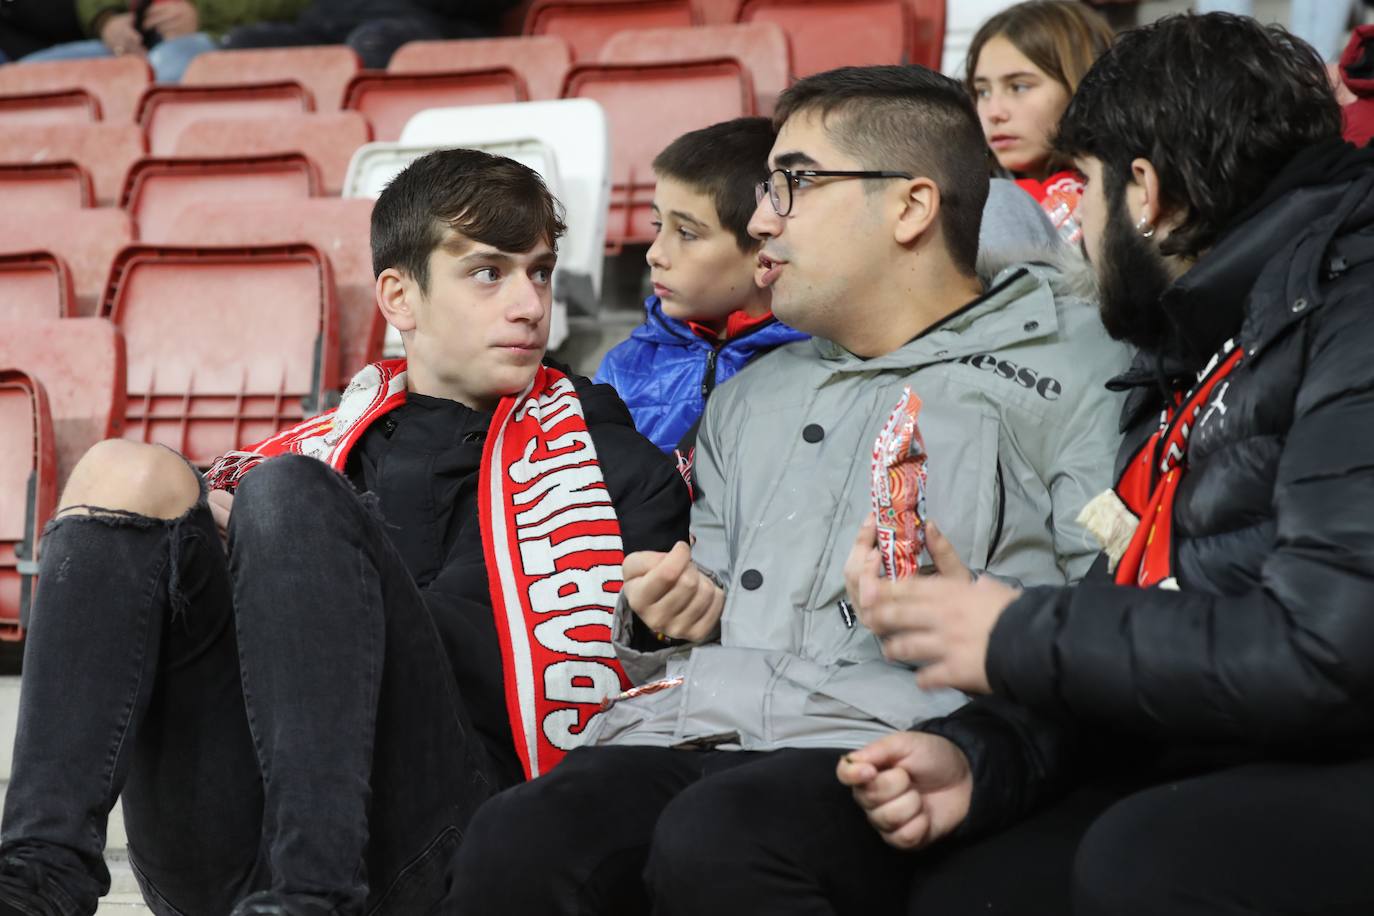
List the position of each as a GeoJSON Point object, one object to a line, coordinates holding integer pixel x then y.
{"type": "Point", "coordinates": [899, 489]}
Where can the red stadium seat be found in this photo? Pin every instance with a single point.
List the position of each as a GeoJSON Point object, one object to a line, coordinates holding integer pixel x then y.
{"type": "Point", "coordinates": [928, 44]}
{"type": "Point", "coordinates": [65, 106]}
{"type": "Point", "coordinates": [543, 60]}
{"type": "Point", "coordinates": [646, 103]}
{"type": "Point", "coordinates": [587, 24]}
{"type": "Point", "coordinates": [104, 150]}
{"type": "Point", "coordinates": [157, 191]}
{"type": "Point", "coordinates": [340, 229]}
{"type": "Point", "coordinates": [86, 241]}
{"type": "Point", "coordinates": [324, 70]}
{"type": "Point", "coordinates": [80, 362]}
{"type": "Point", "coordinates": [760, 46]}
{"type": "Point", "coordinates": [34, 285]}
{"type": "Point", "coordinates": [116, 81]}
{"type": "Point", "coordinates": [28, 492]}
{"type": "Point", "coordinates": [46, 186]}
{"type": "Point", "coordinates": [329, 140]}
{"type": "Point", "coordinates": [390, 99]}
{"type": "Point", "coordinates": [164, 111]}
{"type": "Point", "coordinates": [226, 346]}
{"type": "Point", "coordinates": [825, 34]}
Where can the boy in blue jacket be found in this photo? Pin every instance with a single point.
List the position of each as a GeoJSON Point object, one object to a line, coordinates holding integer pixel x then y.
{"type": "Point", "coordinates": [707, 317]}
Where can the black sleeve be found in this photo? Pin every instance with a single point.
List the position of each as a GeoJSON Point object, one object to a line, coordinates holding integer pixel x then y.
{"type": "Point", "coordinates": [1020, 760]}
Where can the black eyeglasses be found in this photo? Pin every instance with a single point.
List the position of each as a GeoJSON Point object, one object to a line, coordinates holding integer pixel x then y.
{"type": "Point", "coordinates": [780, 192]}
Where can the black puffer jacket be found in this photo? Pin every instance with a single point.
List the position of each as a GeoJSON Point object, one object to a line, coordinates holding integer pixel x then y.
{"type": "Point", "coordinates": [1268, 648]}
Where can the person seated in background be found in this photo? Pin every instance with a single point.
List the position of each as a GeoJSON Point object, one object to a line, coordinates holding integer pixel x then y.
{"type": "Point", "coordinates": [870, 220]}
{"type": "Point", "coordinates": [1023, 67]}
{"type": "Point", "coordinates": [27, 26]}
{"type": "Point", "coordinates": [706, 318]}
{"type": "Point", "coordinates": [411, 609]}
{"type": "Point", "coordinates": [1353, 78]}
{"type": "Point", "coordinates": [374, 28]}
{"type": "Point", "coordinates": [1189, 731]}
{"type": "Point", "coordinates": [169, 33]}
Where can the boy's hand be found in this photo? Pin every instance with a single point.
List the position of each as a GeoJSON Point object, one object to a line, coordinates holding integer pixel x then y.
{"type": "Point", "coordinates": [671, 595]}
{"type": "Point", "coordinates": [120, 36]}
{"type": "Point", "coordinates": [915, 788]}
{"type": "Point", "coordinates": [172, 18]}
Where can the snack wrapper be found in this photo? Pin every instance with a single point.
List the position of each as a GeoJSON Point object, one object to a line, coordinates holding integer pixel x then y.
{"type": "Point", "coordinates": [899, 489]}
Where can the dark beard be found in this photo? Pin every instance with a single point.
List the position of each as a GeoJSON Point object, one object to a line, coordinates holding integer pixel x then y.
{"type": "Point", "coordinates": [1131, 278]}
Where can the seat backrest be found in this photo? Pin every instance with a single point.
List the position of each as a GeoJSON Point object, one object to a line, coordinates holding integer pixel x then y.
{"type": "Point", "coordinates": [104, 150]}
{"type": "Point", "coordinates": [760, 46]}
{"type": "Point", "coordinates": [158, 190]}
{"type": "Point", "coordinates": [226, 346]}
{"type": "Point", "coordinates": [574, 132]}
{"type": "Point", "coordinates": [542, 60]}
{"type": "Point", "coordinates": [587, 24]}
{"type": "Point", "coordinates": [164, 111]}
{"type": "Point", "coordinates": [826, 34]}
{"type": "Point", "coordinates": [28, 492]}
{"type": "Point", "coordinates": [86, 241]}
{"type": "Point", "coordinates": [80, 362]}
{"type": "Point", "coordinates": [116, 81]}
{"type": "Point", "coordinates": [328, 140]}
{"type": "Point", "coordinates": [928, 41]}
{"type": "Point", "coordinates": [646, 103]}
{"type": "Point", "coordinates": [339, 229]}
{"type": "Point", "coordinates": [34, 284]}
{"type": "Point", "coordinates": [63, 106]}
{"type": "Point", "coordinates": [390, 99]}
{"type": "Point", "coordinates": [325, 69]}
{"type": "Point", "coordinates": [46, 186]}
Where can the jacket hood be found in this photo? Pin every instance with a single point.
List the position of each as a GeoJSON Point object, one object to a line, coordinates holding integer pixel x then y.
{"type": "Point", "coordinates": [1208, 304]}
{"type": "Point", "coordinates": [1326, 191]}
{"type": "Point", "coordinates": [1016, 230]}
{"type": "Point", "coordinates": [664, 330]}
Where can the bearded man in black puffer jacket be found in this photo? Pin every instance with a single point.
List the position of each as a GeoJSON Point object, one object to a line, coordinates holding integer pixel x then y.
{"type": "Point", "coordinates": [1192, 730]}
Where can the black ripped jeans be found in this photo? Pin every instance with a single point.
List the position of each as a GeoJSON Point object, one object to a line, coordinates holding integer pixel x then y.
{"type": "Point", "coordinates": [281, 715]}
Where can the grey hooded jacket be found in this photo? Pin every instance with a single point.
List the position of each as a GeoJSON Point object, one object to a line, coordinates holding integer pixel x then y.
{"type": "Point", "coordinates": [1020, 434]}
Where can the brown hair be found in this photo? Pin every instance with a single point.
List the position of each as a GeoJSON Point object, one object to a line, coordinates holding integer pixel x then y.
{"type": "Point", "coordinates": [725, 161]}
{"type": "Point", "coordinates": [485, 198]}
{"type": "Point", "coordinates": [1061, 37]}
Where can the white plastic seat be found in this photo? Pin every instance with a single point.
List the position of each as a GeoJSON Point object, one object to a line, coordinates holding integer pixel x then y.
{"type": "Point", "coordinates": [576, 133]}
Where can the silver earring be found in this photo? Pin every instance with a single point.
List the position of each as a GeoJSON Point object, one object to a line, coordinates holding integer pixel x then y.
{"type": "Point", "coordinates": [1145, 230]}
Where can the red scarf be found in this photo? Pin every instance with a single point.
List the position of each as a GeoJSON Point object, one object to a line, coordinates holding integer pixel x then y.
{"type": "Point", "coordinates": [1149, 485]}
{"type": "Point", "coordinates": [549, 532]}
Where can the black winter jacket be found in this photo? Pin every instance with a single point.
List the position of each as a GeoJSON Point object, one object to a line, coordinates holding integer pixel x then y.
{"type": "Point", "coordinates": [1267, 650]}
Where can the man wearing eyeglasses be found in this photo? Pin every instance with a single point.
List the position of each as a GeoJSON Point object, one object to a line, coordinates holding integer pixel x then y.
{"type": "Point", "coordinates": [710, 785]}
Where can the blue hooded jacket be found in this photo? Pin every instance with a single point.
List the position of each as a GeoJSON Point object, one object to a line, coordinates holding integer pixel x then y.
{"type": "Point", "coordinates": [664, 372]}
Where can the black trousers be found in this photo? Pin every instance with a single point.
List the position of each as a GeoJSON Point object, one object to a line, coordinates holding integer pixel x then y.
{"type": "Point", "coordinates": [279, 716]}
{"type": "Point", "coordinates": [645, 830]}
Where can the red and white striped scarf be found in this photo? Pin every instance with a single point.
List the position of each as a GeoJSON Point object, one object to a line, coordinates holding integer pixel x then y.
{"type": "Point", "coordinates": [549, 533]}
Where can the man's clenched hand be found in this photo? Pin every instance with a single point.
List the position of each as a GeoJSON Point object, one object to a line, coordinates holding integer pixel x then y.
{"type": "Point", "coordinates": [914, 787]}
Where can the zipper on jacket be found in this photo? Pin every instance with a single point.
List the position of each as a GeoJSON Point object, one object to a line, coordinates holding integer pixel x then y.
{"type": "Point", "coordinates": [1001, 513]}
{"type": "Point", "coordinates": [708, 381]}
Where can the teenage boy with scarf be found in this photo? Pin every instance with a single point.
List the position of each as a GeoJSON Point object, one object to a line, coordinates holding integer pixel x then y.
{"type": "Point", "coordinates": [1191, 730]}
{"type": "Point", "coordinates": [870, 227]}
{"type": "Point", "coordinates": [305, 721]}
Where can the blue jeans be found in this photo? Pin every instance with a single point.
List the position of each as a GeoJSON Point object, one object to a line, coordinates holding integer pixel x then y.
{"type": "Point", "coordinates": [279, 715]}
{"type": "Point", "coordinates": [1321, 23]}
{"type": "Point", "coordinates": [169, 59]}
